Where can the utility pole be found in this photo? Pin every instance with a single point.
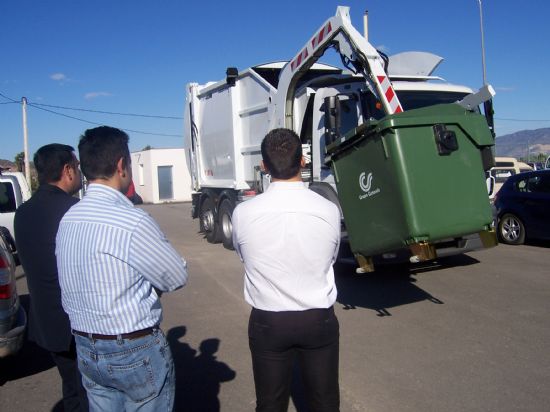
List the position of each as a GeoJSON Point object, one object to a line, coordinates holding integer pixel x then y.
{"type": "Point", "coordinates": [482, 42]}
{"type": "Point", "coordinates": [26, 142]}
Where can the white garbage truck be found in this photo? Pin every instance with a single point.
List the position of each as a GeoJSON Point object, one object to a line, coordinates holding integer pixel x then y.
{"type": "Point", "coordinates": [225, 121]}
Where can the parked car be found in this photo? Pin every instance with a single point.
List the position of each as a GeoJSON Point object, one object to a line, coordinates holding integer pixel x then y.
{"type": "Point", "coordinates": [503, 169]}
{"type": "Point", "coordinates": [13, 192]}
{"type": "Point", "coordinates": [523, 205]}
{"type": "Point", "coordinates": [13, 320]}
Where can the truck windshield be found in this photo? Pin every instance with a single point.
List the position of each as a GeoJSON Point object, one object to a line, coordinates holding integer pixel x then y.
{"type": "Point", "coordinates": [410, 99]}
{"type": "Point", "coordinates": [417, 99]}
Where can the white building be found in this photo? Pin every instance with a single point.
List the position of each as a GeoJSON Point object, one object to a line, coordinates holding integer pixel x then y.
{"type": "Point", "coordinates": [161, 175]}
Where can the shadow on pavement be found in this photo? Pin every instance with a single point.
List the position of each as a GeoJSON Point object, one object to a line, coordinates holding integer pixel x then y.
{"type": "Point", "coordinates": [387, 287]}
{"type": "Point", "coordinates": [30, 360]}
{"type": "Point", "coordinates": [198, 376]}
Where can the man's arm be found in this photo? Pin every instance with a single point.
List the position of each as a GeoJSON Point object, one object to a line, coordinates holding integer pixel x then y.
{"type": "Point", "coordinates": [152, 255]}
{"type": "Point", "coordinates": [235, 226]}
{"type": "Point", "coordinates": [337, 223]}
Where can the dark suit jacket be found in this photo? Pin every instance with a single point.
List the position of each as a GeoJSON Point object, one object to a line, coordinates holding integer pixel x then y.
{"type": "Point", "coordinates": [35, 226]}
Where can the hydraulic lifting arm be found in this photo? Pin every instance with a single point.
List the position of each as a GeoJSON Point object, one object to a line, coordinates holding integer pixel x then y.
{"type": "Point", "coordinates": [355, 51]}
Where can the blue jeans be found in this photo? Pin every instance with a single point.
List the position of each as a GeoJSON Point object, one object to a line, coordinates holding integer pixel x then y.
{"type": "Point", "coordinates": [127, 374]}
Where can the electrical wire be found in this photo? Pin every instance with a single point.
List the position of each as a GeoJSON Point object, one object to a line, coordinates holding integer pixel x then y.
{"type": "Point", "coordinates": [102, 124]}
{"type": "Point", "coordinates": [9, 98]}
{"type": "Point", "coordinates": [38, 106]}
{"type": "Point", "coordinates": [105, 112]}
{"type": "Point", "coordinates": [521, 120]}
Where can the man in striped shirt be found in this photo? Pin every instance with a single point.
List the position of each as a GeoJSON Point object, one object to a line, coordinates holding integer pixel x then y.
{"type": "Point", "coordinates": [114, 263]}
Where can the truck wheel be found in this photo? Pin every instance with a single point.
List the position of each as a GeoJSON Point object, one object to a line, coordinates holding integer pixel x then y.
{"type": "Point", "coordinates": [511, 230]}
{"type": "Point", "coordinates": [208, 221]}
{"type": "Point", "coordinates": [225, 225]}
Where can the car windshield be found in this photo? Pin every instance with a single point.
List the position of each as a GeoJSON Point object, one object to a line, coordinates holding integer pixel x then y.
{"type": "Point", "coordinates": [501, 175]}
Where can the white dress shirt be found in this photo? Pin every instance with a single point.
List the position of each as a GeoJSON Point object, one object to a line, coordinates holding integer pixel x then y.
{"type": "Point", "coordinates": [288, 239]}
{"type": "Point", "coordinates": [111, 256]}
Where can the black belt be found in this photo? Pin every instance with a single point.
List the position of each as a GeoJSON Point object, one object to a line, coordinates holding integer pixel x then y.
{"type": "Point", "coordinates": [132, 335]}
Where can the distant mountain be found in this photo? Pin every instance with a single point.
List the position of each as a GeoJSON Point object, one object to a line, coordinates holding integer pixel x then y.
{"type": "Point", "coordinates": [521, 143]}
{"type": "Point", "coordinates": [7, 165]}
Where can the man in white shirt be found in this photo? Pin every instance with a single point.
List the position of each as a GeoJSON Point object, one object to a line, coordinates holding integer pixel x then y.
{"type": "Point", "coordinates": [288, 239]}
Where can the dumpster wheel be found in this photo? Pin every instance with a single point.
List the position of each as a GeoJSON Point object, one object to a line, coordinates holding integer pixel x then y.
{"type": "Point", "coordinates": [365, 264]}
{"type": "Point", "coordinates": [422, 251]}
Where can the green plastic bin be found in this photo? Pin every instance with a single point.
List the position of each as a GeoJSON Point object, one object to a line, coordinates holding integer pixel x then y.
{"type": "Point", "coordinates": [413, 178]}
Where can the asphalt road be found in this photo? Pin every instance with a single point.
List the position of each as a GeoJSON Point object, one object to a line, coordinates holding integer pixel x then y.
{"type": "Point", "coordinates": [470, 334]}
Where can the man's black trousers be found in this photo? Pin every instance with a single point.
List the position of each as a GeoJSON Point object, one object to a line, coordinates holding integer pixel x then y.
{"type": "Point", "coordinates": [74, 393]}
{"type": "Point", "coordinates": [277, 339]}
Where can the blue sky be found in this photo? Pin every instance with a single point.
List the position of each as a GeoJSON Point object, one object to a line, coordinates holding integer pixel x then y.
{"type": "Point", "coordinates": [137, 56]}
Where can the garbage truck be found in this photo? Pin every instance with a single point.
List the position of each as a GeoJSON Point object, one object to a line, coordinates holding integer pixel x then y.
{"type": "Point", "coordinates": [400, 151]}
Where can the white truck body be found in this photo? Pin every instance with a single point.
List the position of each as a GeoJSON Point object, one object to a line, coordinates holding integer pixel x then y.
{"type": "Point", "coordinates": [230, 122]}
{"type": "Point", "coordinates": [225, 121]}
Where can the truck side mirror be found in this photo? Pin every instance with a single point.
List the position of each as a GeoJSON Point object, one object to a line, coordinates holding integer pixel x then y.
{"type": "Point", "coordinates": [489, 114]}
{"type": "Point", "coordinates": [332, 119]}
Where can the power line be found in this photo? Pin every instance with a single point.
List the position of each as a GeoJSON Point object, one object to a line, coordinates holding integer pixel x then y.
{"type": "Point", "coordinates": [106, 112]}
{"type": "Point", "coordinates": [101, 124]}
{"type": "Point", "coordinates": [37, 106]}
{"type": "Point", "coordinates": [95, 111]}
{"type": "Point", "coordinates": [522, 120]}
{"type": "Point", "coordinates": [9, 98]}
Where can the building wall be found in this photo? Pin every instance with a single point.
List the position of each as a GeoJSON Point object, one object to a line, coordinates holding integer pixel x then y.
{"type": "Point", "coordinates": [145, 174]}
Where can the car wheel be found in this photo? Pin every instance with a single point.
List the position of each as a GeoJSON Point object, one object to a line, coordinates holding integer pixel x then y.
{"type": "Point", "coordinates": [208, 221]}
{"type": "Point", "coordinates": [511, 230]}
{"type": "Point", "coordinates": [226, 227]}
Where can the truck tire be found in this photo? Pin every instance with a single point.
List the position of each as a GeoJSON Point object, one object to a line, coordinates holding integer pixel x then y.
{"type": "Point", "coordinates": [208, 221]}
{"type": "Point", "coordinates": [225, 225]}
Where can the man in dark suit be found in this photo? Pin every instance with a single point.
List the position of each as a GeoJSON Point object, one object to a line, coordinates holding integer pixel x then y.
{"type": "Point", "coordinates": [35, 227]}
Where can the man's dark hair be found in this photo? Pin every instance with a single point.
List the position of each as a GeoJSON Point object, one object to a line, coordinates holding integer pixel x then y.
{"type": "Point", "coordinates": [282, 153]}
{"type": "Point", "coordinates": [49, 161]}
{"type": "Point", "coordinates": [100, 150]}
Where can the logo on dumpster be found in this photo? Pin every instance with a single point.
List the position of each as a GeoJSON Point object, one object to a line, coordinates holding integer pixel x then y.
{"type": "Point", "coordinates": [365, 183]}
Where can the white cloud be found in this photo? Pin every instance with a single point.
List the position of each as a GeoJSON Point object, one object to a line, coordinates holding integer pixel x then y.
{"type": "Point", "coordinates": [93, 95]}
{"type": "Point", "coordinates": [59, 77]}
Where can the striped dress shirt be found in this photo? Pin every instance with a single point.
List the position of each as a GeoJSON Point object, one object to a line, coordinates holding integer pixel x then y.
{"type": "Point", "coordinates": [111, 256]}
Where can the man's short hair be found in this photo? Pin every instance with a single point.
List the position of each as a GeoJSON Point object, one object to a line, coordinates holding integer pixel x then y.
{"type": "Point", "coordinates": [50, 159]}
{"type": "Point", "coordinates": [100, 149]}
{"type": "Point", "coordinates": [282, 153]}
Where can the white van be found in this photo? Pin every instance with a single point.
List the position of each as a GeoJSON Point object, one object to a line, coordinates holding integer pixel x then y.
{"type": "Point", "coordinates": [13, 192]}
{"type": "Point", "coordinates": [504, 168]}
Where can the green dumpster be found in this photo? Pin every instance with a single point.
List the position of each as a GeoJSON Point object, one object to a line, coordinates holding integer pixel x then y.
{"type": "Point", "coordinates": [412, 179]}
